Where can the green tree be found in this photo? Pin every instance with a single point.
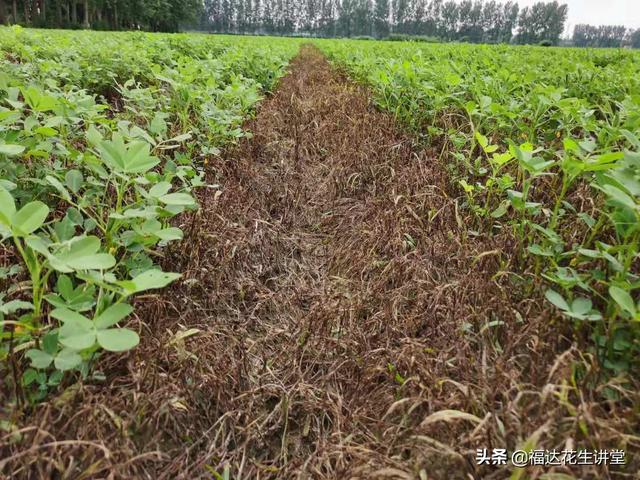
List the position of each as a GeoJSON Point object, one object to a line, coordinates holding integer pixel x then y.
{"type": "Point", "coordinates": [542, 22]}
{"type": "Point", "coordinates": [472, 20]}
{"type": "Point", "coordinates": [603, 36]}
{"type": "Point", "coordinates": [509, 21]}
{"type": "Point", "coordinates": [346, 18]}
{"type": "Point", "coordinates": [381, 18]}
{"type": "Point", "coordinates": [449, 20]}
{"type": "Point", "coordinates": [399, 13]}
{"type": "Point", "coordinates": [162, 15]}
{"type": "Point", "coordinates": [634, 39]}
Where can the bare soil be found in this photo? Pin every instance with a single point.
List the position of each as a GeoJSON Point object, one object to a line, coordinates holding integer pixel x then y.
{"type": "Point", "coordinates": [339, 317]}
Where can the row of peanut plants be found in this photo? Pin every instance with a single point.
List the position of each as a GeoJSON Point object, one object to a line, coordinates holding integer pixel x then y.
{"type": "Point", "coordinates": [103, 137]}
{"type": "Point", "coordinates": [542, 143]}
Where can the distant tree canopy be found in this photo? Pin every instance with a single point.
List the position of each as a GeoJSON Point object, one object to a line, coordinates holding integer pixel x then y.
{"type": "Point", "coordinates": [486, 21]}
{"type": "Point", "coordinates": [605, 36]}
{"type": "Point", "coordinates": [154, 15]}
{"type": "Point", "coordinates": [542, 22]}
{"type": "Point", "coordinates": [634, 39]}
{"type": "Point", "coordinates": [467, 20]}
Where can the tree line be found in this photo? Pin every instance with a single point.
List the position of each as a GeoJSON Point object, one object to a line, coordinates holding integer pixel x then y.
{"type": "Point", "coordinates": [605, 36]}
{"type": "Point", "coordinates": [153, 15]}
{"type": "Point", "coordinates": [477, 21]}
{"type": "Point", "coordinates": [469, 20]}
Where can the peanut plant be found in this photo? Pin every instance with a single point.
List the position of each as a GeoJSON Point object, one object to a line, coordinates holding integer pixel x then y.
{"type": "Point", "coordinates": [543, 143]}
{"type": "Point", "coordinates": [103, 138]}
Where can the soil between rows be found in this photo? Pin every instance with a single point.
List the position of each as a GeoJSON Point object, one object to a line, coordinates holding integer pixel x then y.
{"type": "Point", "coordinates": [333, 302]}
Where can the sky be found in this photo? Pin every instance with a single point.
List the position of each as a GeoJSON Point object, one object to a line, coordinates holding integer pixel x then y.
{"type": "Point", "coordinates": [599, 12]}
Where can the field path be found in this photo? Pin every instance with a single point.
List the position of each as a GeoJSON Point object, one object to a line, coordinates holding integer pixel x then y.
{"type": "Point", "coordinates": [332, 302]}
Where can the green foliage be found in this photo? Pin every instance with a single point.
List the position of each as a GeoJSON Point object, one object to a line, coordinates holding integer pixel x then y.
{"type": "Point", "coordinates": [544, 143]}
{"type": "Point", "coordinates": [396, 37]}
{"type": "Point", "coordinates": [475, 21]}
{"type": "Point", "coordinates": [602, 36]}
{"type": "Point", "coordinates": [542, 22]}
{"type": "Point", "coordinates": [98, 154]}
{"type": "Point", "coordinates": [156, 15]}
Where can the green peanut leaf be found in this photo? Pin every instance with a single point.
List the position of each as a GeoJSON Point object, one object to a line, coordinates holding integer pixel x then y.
{"type": "Point", "coordinates": [11, 150]}
{"type": "Point", "coordinates": [77, 339]}
{"type": "Point", "coordinates": [557, 299]}
{"type": "Point", "coordinates": [67, 359]}
{"type": "Point", "coordinates": [93, 136]}
{"type": "Point", "coordinates": [168, 234]}
{"type": "Point", "coordinates": [134, 157]}
{"type": "Point", "coordinates": [38, 244]}
{"type": "Point", "coordinates": [581, 306]}
{"type": "Point", "coordinates": [29, 218]}
{"type": "Point", "coordinates": [50, 343]}
{"type": "Point", "coordinates": [160, 189]}
{"type": "Point", "coordinates": [149, 280]}
{"type": "Point", "coordinates": [99, 261]}
{"type": "Point", "coordinates": [7, 206]}
{"type": "Point", "coordinates": [37, 100]}
{"type": "Point", "coordinates": [74, 180]}
{"type": "Point", "coordinates": [118, 339]}
{"type": "Point", "coordinates": [112, 315]}
{"type": "Point", "coordinates": [77, 331]}
{"type": "Point", "coordinates": [65, 286]}
{"type": "Point", "coordinates": [58, 186]}
{"type": "Point", "coordinates": [14, 306]}
{"type": "Point", "coordinates": [618, 196]}
{"type": "Point", "coordinates": [182, 199]}
{"type": "Point", "coordinates": [81, 254]}
{"type": "Point", "coordinates": [66, 315]}
{"type": "Point", "coordinates": [623, 299]}
{"type": "Point", "coordinates": [39, 359]}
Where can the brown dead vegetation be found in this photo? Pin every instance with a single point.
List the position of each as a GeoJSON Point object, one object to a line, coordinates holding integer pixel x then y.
{"type": "Point", "coordinates": [340, 304]}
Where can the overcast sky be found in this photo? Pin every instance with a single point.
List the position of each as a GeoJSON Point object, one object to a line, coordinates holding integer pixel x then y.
{"type": "Point", "coordinates": [599, 12]}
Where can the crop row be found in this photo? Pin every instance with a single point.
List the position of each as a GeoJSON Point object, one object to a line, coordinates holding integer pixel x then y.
{"type": "Point", "coordinates": [103, 138]}
{"type": "Point", "coordinates": [544, 144]}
